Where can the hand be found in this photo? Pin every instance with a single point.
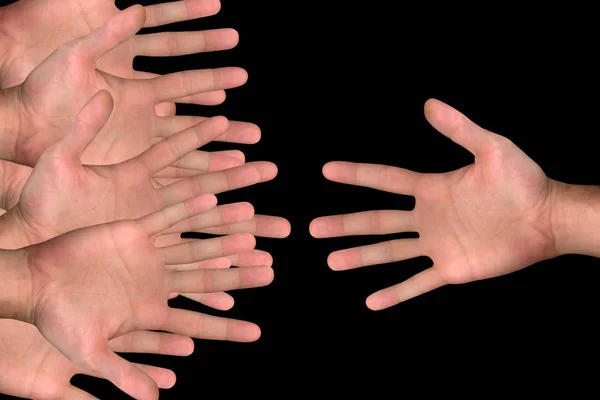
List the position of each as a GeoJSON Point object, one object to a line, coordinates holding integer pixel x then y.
{"type": "Point", "coordinates": [27, 45]}
{"type": "Point", "coordinates": [101, 282]}
{"type": "Point", "coordinates": [62, 194]}
{"type": "Point", "coordinates": [487, 219]}
{"type": "Point", "coordinates": [58, 87]}
{"type": "Point", "coordinates": [30, 367]}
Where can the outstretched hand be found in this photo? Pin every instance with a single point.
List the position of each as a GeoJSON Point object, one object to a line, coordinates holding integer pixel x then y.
{"type": "Point", "coordinates": [71, 19]}
{"type": "Point", "coordinates": [56, 89]}
{"type": "Point", "coordinates": [30, 367]}
{"type": "Point", "coordinates": [62, 194]}
{"type": "Point", "coordinates": [487, 219]}
{"type": "Point", "coordinates": [98, 283]}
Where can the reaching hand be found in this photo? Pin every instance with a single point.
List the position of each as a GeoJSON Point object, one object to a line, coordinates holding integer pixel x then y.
{"type": "Point", "coordinates": [62, 194]}
{"type": "Point", "coordinates": [490, 218]}
{"type": "Point", "coordinates": [29, 44]}
{"type": "Point", "coordinates": [30, 367]}
{"type": "Point", "coordinates": [94, 284]}
{"type": "Point", "coordinates": [56, 89]}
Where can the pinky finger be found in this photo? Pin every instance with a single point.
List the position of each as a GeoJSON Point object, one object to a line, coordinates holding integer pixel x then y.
{"type": "Point", "coordinates": [414, 286]}
{"type": "Point", "coordinates": [164, 378]}
{"type": "Point", "coordinates": [219, 301]}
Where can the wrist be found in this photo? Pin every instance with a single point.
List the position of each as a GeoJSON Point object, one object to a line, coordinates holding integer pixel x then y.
{"type": "Point", "coordinates": [16, 299]}
{"type": "Point", "coordinates": [10, 122]}
{"type": "Point", "coordinates": [576, 218]}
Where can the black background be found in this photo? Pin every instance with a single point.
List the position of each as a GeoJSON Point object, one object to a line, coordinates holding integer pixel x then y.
{"type": "Point", "coordinates": [347, 81]}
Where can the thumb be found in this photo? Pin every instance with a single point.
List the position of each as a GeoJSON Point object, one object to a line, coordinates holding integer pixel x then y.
{"type": "Point", "coordinates": [90, 120]}
{"type": "Point", "coordinates": [124, 375]}
{"type": "Point", "coordinates": [457, 127]}
{"type": "Point", "coordinates": [120, 28]}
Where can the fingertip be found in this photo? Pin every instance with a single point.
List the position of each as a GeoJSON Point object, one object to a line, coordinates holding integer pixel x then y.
{"type": "Point", "coordinates": [220, 123]}
{"type": "Point", "coordinates": [314, 228]}
{"type": "Point", "coordinates": [139, 15]}
{"type": "Point", "coordinates": [287, 229]}
{"type": "Point", "coordinates": [188, 347]}
{"type": "Point", "coordinates": [255, 333]}
{"type": "Point", "coordinates": [328, 169]}
{"type": "Point", "coordinates": [205, 201]}
{"type": "Point", "coordinates": [237, 154]}
{"type": "Point", "coordinates": [246, 210]}
{"type": "Point", "coordinates": [234, 36]}
{"type": "Point", "coordinates": [256, 133]}
{"type": "Point", "coordinates": [334, 262]}
{"type": "Point", "coordinates": [373, 304]}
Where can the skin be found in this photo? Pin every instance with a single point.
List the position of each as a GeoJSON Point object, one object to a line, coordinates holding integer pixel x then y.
{"type": "Point", "coordinates": [487, 219]}
{"type": "Point", "coordinates": [76, 196]}
{"type": "Point", "coordinates": [30, 367]}
{"type": "Point", "coordinates": [48, 100]}
{"type": "Point", "coordinates": [89, 286]}
{"type": "Point", "coordinates": [52, 24]}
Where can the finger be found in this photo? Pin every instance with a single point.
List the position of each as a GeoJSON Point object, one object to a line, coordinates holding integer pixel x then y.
{"type": "Point", "coordinates": [202, 161]}
{"type": "Point", "coordinates": [418, 284]}
{"type": "Point", "coordinates": [173, 148]}
{"type": "Point", "coordinates": [457, 127]}
{"type": "Point", "coordinates": [176, 11]}
{"type": "Point", "coordinates": [90, 120]}
{"type": "Point", "coordinates": [202, 326]}
{"type": "Point", "coordinates": [117, 30]}
{"type": "Point", "coordinates": [238, 132]}
{"type": "Point", "coordinates": [218, 280]}
{"type": "Point", "coordinates": [168, 44]}
{"type": "Point", "coordinates": [163, 219]}
{"type": "Point", "coordinates": [73, 393]}
{"type": "Point", "coordinates": [219, 301]}
{"type": "Point", "coordinates": [219, 181]}
{"type": "Point", "coordinates": [165, 109]}
{"type": "Point", "coordinates": [124, 375]}
{"type": "Point", "coordinates": [381, 177]}
{"type": "Point", "coordinates": [252, 258]}
{"type": "Point", "coordinates": [363, 223]}
{"type": "Point", "coordinates": [187, 83]}
{"type": "Point", "coordinates": [259, 225]}
{"type": "Point", "coordinates": [225, 214]}
{"type": "Point", "coordinates": [169, 109]}
{"type": "Point", "coordinates": [213, 263]}
{"type": "Point", "coordinates": [380, 253]}
{"type": "Point", "coordinates": [152, 343]}
{"type": "Point", "coordinates": [164, 378]}
{"type": "Point", "coordinates": [199, 250]}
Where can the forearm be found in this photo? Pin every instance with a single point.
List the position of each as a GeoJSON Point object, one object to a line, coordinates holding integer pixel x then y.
{"type": "Point", "coordinates": [576, 219]}
{"type": "Point", "coordinates": [15, 285]}
{"type": "Point", "coordinates": [10, 117]}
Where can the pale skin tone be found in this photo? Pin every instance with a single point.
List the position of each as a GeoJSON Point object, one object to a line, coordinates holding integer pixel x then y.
{"type": "Point", "coordinates": [30, 367]}
{"type": "Point", "coordinates": [490, 218]}
{"type": "Point", "coordinates": [92, 285]}
{"type": "Point", "coordinates": [45, 105]}
{"type": "Point", "coordinates": [76, 196]}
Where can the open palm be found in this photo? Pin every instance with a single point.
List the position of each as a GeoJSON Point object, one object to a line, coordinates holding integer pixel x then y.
{"type": "Point", "coordinates": [490, 218]}
{"type": "Point", "coordinates": [52, 24]}
{"type": "Point", "coordinates": [62, 194]}
{"type": "Point", "coordinates": [63, 83]}
{"type": "Point", "coordinates": [30, 367]}
{"type": "Point", "coordinates": [97, 283]}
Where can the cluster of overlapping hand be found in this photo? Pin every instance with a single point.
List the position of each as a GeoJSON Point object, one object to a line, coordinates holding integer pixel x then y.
{"type": "Point", "coordinates": [100, 177]}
